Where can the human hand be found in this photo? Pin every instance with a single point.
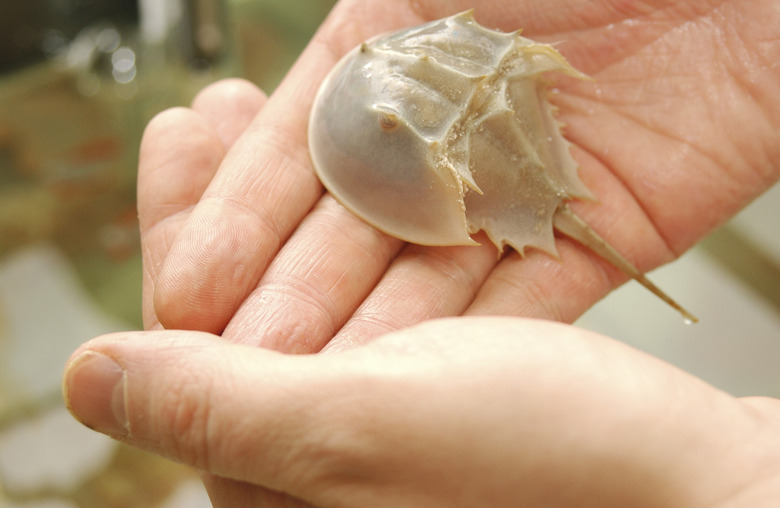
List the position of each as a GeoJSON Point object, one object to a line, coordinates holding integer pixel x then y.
{"type": "Point", "coordinates": [456, 412]}
{"type": "Point", "coordinates": [674, 136]}
{"type": "Point", "coordinates": [678, 131]}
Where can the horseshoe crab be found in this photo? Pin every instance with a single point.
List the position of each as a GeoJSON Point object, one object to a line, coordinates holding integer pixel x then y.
{"type": "Point", "coordinates": [436, 132]}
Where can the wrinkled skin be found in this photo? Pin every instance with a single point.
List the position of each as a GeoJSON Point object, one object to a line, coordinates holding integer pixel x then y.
{"type": "Point", "coordinates": [678, 131]}
{"type": "Point", "coordinates": [672, 141]}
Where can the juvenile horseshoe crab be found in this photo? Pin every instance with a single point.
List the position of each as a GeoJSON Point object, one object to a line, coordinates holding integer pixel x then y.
{"type": "Point", "coordinates": [436, 132]}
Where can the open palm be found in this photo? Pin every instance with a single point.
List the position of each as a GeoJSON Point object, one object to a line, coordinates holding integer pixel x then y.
{"type": "Point", "coordinates": [679, 129]}
{"type": "Point", "coordinates": [676, 133]}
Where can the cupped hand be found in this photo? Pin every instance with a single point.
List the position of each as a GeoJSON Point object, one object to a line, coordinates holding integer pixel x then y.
{"type": "Point", "coordinates": [678, 130]}
{"type": "Point", "coordinates": [455, 412]}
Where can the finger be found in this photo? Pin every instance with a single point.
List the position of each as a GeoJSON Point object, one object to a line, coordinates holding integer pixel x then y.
{"type": "Point", "coordinates": [179, 155]}
{"type": "Point", "coordinates": [180, 152]}
{"type": "Point", "coordinates": [315, 283]}
{"type": "Point", "coordinates": [263, 189]}
{"type": "Point", "coordinates": [193, 407]}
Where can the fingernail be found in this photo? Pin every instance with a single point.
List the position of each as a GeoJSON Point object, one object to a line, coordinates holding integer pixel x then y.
{"type": "Point", "coordinates": [94, 391]}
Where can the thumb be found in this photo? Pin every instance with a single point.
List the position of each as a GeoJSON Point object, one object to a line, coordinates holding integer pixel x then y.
{"type": "Point", "coordinates": [242, 413]}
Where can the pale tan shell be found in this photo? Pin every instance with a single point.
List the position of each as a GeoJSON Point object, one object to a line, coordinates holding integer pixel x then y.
{"type": "Point", "coordinates": [436, 132]}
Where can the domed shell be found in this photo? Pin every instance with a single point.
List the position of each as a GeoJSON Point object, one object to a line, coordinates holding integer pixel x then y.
{"type": "Point", "coordinates": [438, 131]}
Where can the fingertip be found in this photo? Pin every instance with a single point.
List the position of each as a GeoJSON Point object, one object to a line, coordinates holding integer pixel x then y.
{"type": "Point", "coordinates": [193, 397]}
{"type": "Point", "coordinates": [230, 90]}
{"type": "Point", "coordinates": [202, 282]}
{"type": "Point", "coordinates": [216, 260]}
{"type": "Point", "coordinates": [230, 105]}
{"type": "Point", "coordinates": [166, 123]}
{"type": "Point", "coordinates": [93, 388]}
{"type": "Point", "coordinates": [180, 152]}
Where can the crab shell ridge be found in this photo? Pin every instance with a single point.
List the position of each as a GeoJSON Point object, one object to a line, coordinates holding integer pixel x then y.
{"type": "Point", "coordinates": [436, 132]}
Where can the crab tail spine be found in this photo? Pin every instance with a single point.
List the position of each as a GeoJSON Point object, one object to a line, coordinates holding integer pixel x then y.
{"type": "Point", "coordinates": [571, 225]}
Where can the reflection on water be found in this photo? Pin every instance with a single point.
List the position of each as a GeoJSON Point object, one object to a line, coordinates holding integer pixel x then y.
{"type": "Point", "coordinates": [72, 110]}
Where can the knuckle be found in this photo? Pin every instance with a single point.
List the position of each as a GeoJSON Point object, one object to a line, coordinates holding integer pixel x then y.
{"type": "Point", "coordinates": [183, 419]}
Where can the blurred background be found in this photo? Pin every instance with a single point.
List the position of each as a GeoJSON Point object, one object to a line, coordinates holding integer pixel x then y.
{"type": "Point", "coordinates": [79, 79]}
